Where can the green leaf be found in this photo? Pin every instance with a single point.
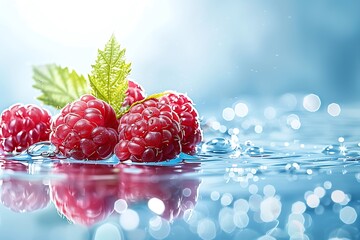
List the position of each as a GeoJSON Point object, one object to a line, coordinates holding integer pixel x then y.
{"type": "Point", "coordinates": [59, 86]}
{"type": "Point", "coordinates": [108, 76]}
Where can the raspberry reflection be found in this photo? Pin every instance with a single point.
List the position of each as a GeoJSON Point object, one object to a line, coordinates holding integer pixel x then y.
{"type": "Point", "coordinates": [88, 193]}
{"type": "Point", "coordinates": [19, 194]}
{"type": "Point", "coordinates": [167, 191]}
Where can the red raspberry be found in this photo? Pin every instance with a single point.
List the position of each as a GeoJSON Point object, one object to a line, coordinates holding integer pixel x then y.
{"type": "Point", "coordinates": [21, 195]}
{"type": "Point", "coordinates": [88, 193]}
{"type": "Point", "coordinates": [85, 129]}
{"type": "Point", "coordinates": [134, 93]}
{"type": "Point", "coordinates": [189, 120]}
{"type": "Point", "coordinates": [22, 126]}
{"type": "Point", "coordinates": [149, 132]}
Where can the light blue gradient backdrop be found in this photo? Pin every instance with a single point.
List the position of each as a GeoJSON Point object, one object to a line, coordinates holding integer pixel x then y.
{"type": "Point", "coordinates": [213, 50]}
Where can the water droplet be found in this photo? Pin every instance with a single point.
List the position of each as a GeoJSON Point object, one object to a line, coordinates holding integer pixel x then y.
{"type": "Point", "coordinates": [44, 149]}
{"type": "Point", "coordinates": [292, 167]}
{"type": "Point", "coordinates": [254, 151]}
{"type": "Point", "coordinates": [335, 149]}
{"type": "Point", "coordinates": [219, 145]}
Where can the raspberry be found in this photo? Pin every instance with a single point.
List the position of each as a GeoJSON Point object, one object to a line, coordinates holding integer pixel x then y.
{"type": "Point", "coordinates": [22, 126]}
{"type": "Point", "coordinates": [85, 129]}
{"type": "Point", "coordinates": [189, 120]}
{"type": "Point", "coordinates": [134, 93]}
{"type": "Point", "coordinates": [88, 193]}
{"type": "Point", "coordinates": [21, 195]}
{"type": "Point", "coordinates": [177, 195]}
{"type": "Point", "coordinates": [149, 132]}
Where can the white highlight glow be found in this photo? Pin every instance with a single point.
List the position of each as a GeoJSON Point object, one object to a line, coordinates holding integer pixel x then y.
{"type": "Point", "coordinates": [348, 215]}
{"type": "Point", "coordinates": [241, 109]}
{"type": "Point", "coordinates": [269, 191]}
{"type": "Point", "coordinates": [311, 102]}
{"type": "Point", "coordinates": [312, 200]}
{"type": "Point", "coordinates": [327, 184]}
{"type": "Point", "coordinates": [298, 207]}
{"type": "Point", "coordinates": [291, 118]}
{"type": "Point", "coordinates": [258, 129]}
{"type": "Point", "coordinates": [120, 206]}
{"type": "Point", "coordinates": [319, 191]}
{"type": "Point", "coordinates": [226, 220]}
{"type": "Point", "coordinates": [338, 196]}
{"type": "Point", "coordinates": [84, 23]}
{"type": "Point", "coordinates": [241, 205]}
{"type": "Point", "coordinates": [295, 124]}
{"type": "Point", "coordinates": [270, 209]}
{"type": "Point", "coordinates": [186, 192]}
{"type": "Point", "coordinates": [334, 109]}
{"type": "Point", "coordinates": [159, 228]}
{"type": "Point", "coordinates": [215, 195]}
{"type": "Point", "coordinates": [253, 189]}
{"type": "Point", "coordinates": [270, 113]}
{"type": "Point", "coordinates": [156, 205]}
{"type": "Point", "coordinates": [107, 231]}
{"type": "Point", "coordinates": [226, 199]}
{"type": "Point", "coordinates": [129, 220]}
{"type": "Point", "coordinates": [241, 219]}
{"type": "Point", "coordinates": [228, 114]}
{"type": "Point", "coordinates": [206, 229]}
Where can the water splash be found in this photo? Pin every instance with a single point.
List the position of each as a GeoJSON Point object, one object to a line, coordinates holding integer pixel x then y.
{"type": "Point", "coordinates": [219, 145]}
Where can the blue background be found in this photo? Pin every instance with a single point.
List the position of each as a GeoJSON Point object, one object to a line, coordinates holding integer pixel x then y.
{"type": "Point", "coordinates": [213, 50]}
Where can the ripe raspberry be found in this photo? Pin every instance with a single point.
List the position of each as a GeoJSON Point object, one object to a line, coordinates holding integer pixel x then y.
{"type": "Point", "coordinates": [22, 195]}
{"type": "Point", "coordinates": [22, 126]}
{"type": "Point", "coordinates": [134, 93]}
{"type": "Point", "coordinates": [85, 129]}
{"type": "Point", "coordinates": [189, 120]}
{"type": "Point", "coordinates": [88, 193]}
{"type": "Point", "coordinates": [149, 132]}
{"type": "Point", "coordinates": [177, 195]}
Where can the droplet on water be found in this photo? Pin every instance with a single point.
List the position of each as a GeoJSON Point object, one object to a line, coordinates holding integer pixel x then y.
{"type": "Point", "coordinates": [292, 167]}
{"type": "Point", "coordinates": [44, 149]}
{"type": "Point", "coordinates": [254, 151]}
{"type": "Point", "coordinates": [219, 145]}
{"type": "Point", "coordinates": [335, 150]}
{"type": "Point", "coordinates": [248, 143]}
